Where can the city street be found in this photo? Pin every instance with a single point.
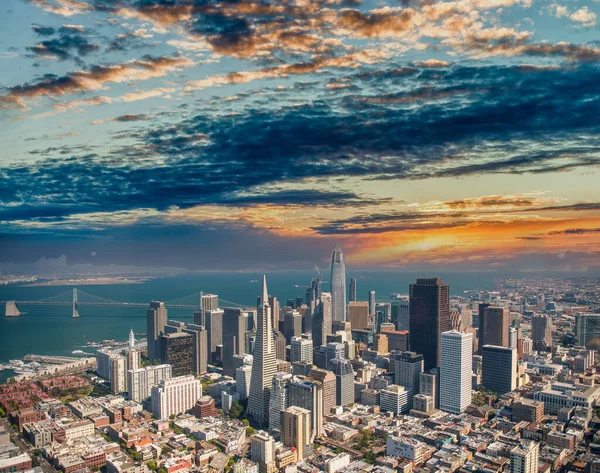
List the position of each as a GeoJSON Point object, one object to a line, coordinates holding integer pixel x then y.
{"type": "Point", "coordinates": [26, 447]}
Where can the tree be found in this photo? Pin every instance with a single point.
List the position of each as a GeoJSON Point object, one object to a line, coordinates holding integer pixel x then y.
{"type": "Point", "coordinates": [236, 410]}
{"type": "Point", "coordinates": [172, 416]}
{"type": "Point", "coordinates": [152, 465]}
{"type": "Point", "coordinates": [249, 431]}
{"type": "Point", "coordinates": [166, 449]}
{"type": "Point", "coordinates": [246, 422]}
{"type": "Point", "coordinates": [95, 468]}
{"type": "Point", "coordinates": [370, 457]}
{"type": "Point", "coordinates": [37, 452]}
{"type": "Point", "coordinates": [2, 412]}
{"type": "Point", "coordinates": [162, 470]}
{"type": "Point", "coordinates": [35, 462]}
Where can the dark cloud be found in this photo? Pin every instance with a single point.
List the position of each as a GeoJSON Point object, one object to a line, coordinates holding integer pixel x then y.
{"type": "Point", "coordinates": [529, 238]}
{"type": "Point", "coordinates": [575, 231]}
{"type": "Point", "coordinates": [131, 118]}
{"type": "Point", "coordinates": [71, 42]}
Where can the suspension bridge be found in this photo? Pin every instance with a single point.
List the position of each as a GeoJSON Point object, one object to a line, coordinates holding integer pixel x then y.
{"type": "Point", "coordinates": [77, 298]}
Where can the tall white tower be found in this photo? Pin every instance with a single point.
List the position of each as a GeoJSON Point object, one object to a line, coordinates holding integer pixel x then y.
{"type": "Point", "coordinates": [264, 364]}
{"type": "Point", "coordinates": [455, 371]}
{"type": "Point", "coordinates": [131, 339]}
{"type": "Point", "coordinates": [338, 286]}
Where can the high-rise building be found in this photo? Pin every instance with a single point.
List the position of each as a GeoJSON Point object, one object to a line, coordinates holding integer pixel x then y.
{"type": "Point", "coordinates": [275, 309]}
{"type": "Point", "coordinates": [499, 368]}
{"type": "Point", "coordinates": [177, 350]}
{"type": "Point", "coordinates": [156, 319]}
{"type": "Point", "coordinates": [141, 381]}
{"type": "Point", "coordinates": [352, 289]}
{"type": "Point", "coordinates": [328, 380]}
{"type": "Point", "coordinates": [513, 337]}
{"type": "Point", "coordinates": [308, 394]}
{"type": "Point", "coordinates": [587, 328]}
{"type": "Point", "coordinates": [496, 324]}
{"type": "Point", "coordinates": [292, 324]}
{"type": "Point", "coordinates": [344, 381]}
{"type": "Point", "coordinates": [279, 399]}
{"type": "Point", "coordinates": [295, 430]}
{"type": "Point", "coordinates": [541, 331]}
{"type": "Point", "coordinates": [524, 458]}
{"type": "Point", "coordinates": [338, 285]}
{"type": "Point", "coordinates": [429, 386]}
{"type": "Point", "coordinates": [213, 320]}
{"type": "Point", "coordinates": [371, 302]}
{"type": "Point", "coordinates": [380, 344]}
{"type": "Point", "coordinates": [455, 371]}
{"type": "Point", "coordinates": [200, 347]}
{"type": "Point", "coordinates": [408, 368]}
{"type": "Point", "coordinates": [481, 322]}
{"type": "Point", "coordinates": [175, 396]}
{"type": "Point", "coordinates": [234, 337]}
{"type": "Point", "coordinates": [264, 363]}
{"type": "Point", "coordinates": [207, 302]}
{"type": "Point", "coordinates": [243, 375]}
{"type": "Point", "coordinates": [322, 321]}
{"type": "Point", "coordinates": [334, 350]}
{"type": "Point", "coordinates": [117, 373]}
{"type": "Point", "coordinates": [301, 349]}
{"type": "Point", "coordinates": [394, 398]}
{"type": "Point", "coordinates": [401, 314]}
{"type": "Point", "coordinates": [429, 317]}
{"type": "Point", "coordinates": [262, 451]}
{"type": "Point", "coordinates": [358, 315]}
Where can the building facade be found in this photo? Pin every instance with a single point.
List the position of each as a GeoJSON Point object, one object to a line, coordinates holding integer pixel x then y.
{"type": "Point", "coordinates": [455, 371]}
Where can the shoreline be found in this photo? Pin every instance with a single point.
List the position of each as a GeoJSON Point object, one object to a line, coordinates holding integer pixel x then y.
{"type": "Point", "coordinates": [85, 282]}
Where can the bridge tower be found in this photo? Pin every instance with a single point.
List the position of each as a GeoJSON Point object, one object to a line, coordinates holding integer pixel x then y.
{"type": "Point", "coordinates": [75, 311]}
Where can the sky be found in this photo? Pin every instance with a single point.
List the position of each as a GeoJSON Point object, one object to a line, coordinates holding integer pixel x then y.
{"type": "Point", "coordinates": [237, 135]}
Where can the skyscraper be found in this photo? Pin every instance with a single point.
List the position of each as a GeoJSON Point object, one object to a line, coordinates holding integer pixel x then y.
{"type": "Point", "coordinates": [328, 380]}
{"type": "Point", "coordinates": [200, 343]}
{"type": "Point", "coordinates": [234, 338]}
{"type": "Point", "coordinates": [295, 430]}
{"type": "Point", "coordinates": [358, 315]}
{"type": "Point", "coordinates": [455, 371]}
{"type": "Point", "coordinates": [262, 451]}
{"type": "Point", "coordinates": [344, 381]}
{"type": "Point", "coordinates": [156, 319]}
{"type": "Point", "coordinates": [429, 317]}
{"type": "Point", "coordinates": [409, 366]}
{"type": "Point", "coordinates": [541, 331]}
{"type": "Point", "coordinates": [338, 285]}
{"type": "Point", "coordinates": [499, 369]}
{"type": "Point", "coordinates": [207, 302]}
{"type": "Point", "coordinates": [301, 349]}
{"type": "Point", "coordinates": [264, 363]}
{"type": "Point", "coordinates": [308, 394]}
{"type": "Point", "coordinates": [177, 350]}
{"type": "Point", "coordinates": [279, 399]}
{"type": "Point", "coordinates": [496, 325]}
{"type": "Point", "coordinates": [322, 322]}
{"type": "Point", "coordinates": [352, 289]}
{"type": "Point", "coordinates": [214, 328]}
{"type": "Point", "coordinates": [481, 319]}
{"type": "Point", "coordinates": [371, 302]}
{"type": "Point", "coordinates": [587, 329]}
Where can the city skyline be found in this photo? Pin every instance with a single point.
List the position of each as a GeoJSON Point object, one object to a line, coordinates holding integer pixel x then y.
{"type": "Point", "coordinates": [172, 136]}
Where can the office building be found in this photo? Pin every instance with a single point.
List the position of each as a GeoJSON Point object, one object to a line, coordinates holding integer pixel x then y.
{"type": "Point", "coordinates": [380, 344]}
{"type": "Point", "coordinates": [175, 396]}
{"type": "Point", "coordinates": [587, 329]}
{"type": "Point", "coordinates": [481, 322]}
{"type": "Point", "coordinates": [264, 363]}
{"type": "Point", "coordinates": [541, 332]}
{"type": "Point", "coordinates": [213, 320]}
{"type": "Point", "coordinates": [525, 457]}
{"type": "Point", "coordinates": [394, 399]}
{"type": "Point", "coordinates": [207, 302]}
{"type": "Point", "coordinates": [352, 289]}
{"type": "Point", "coordinates": [234, 337]}
{"type": "Point", "coordinates": [527, 410]}
{"type": "Point", "coordinates": [344, 381]}
{"type": "Point", "coordinates": [455, 371]}
{"type": "Point", "coordinates": [329, 382]}
{"type": "Point", "coordinates": [371, 302]}
{"type": "Point", "coordinates": [333, 351]}
{"type": "Point", "coordinates": [177, 350]}
{"type": "Point", "coordinates": [292, 324]}
{"type": "Point", "coordinates": [338, 285]}
{"type": "Point", "coordinates": [496, 324]}
{"type": "Point", "coordinates": [513, 337]}
{"type": "Point", "coordinates": [156, 319]}
{"type": "Point", "coordinates": [242, 381]}
{"type": "Point", "coordinates": [200, 347]}
{"type": "Point", "coordinates": [408, 368]}
{"type": "Point", "coordinates": [401, 314]}
{"type": "Point", "coordinates": [429, 386]}
{"type": "Point", "coordinates": [279, 399]}
{"type": "Point", "coordinates": [262, 451]}
{"type": "Point", "coordinates": [358, 315]}
{"type": "Point", "coordinates": [295, 430]}
{"type": "Point", "coordinates": [280, 345]}
{"type": "Point", "coordinates": [429, 317]}
{"type": "Point", "coordinates": [308, 394]}
{"type": "Point", "coordinates": [141, 381]}
{"type": "Point", "coordinates": [499, 368]}
{"type": "Point", "coordinates": [301, 349]}
{"type": "Point", "coordinates": [322, 321]}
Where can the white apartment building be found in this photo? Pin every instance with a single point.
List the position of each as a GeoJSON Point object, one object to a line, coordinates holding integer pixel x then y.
{"type": "Point", "coordinates": [175, 396]}
{"type": "Point", "coordinates": [141, 381]}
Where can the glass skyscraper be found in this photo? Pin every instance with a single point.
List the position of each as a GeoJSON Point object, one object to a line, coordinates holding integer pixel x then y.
{"type": "Point", "coordinates": [338, 286]}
